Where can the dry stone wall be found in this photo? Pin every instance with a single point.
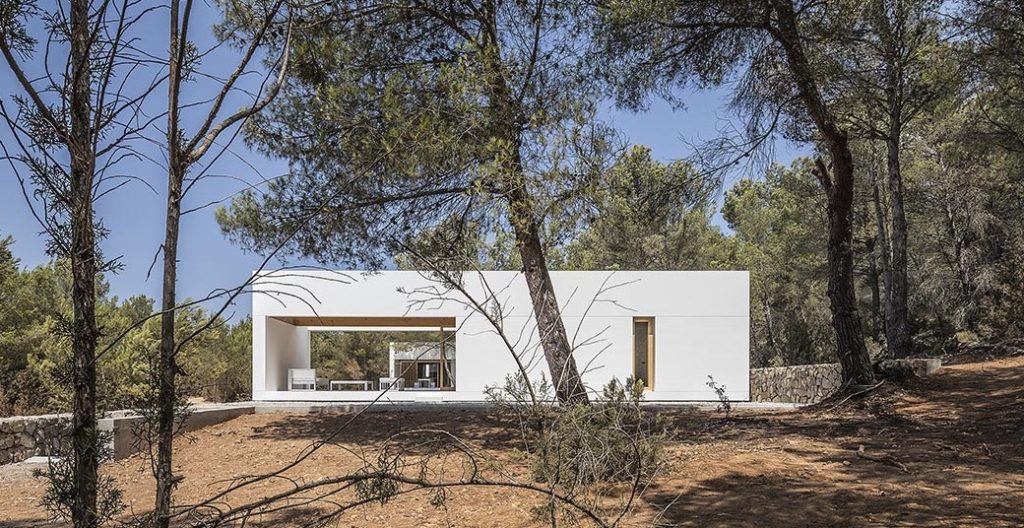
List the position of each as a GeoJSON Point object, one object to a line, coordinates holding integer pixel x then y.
{"type": "Point", "coordinates": [798, 384]}
{"type": "Point", "coordinates": [22, 437]}
{"type": "Point", "coordinates": [813, 383]}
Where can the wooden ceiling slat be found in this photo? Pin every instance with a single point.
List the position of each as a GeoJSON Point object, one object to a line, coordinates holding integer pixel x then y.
{"type": "Point", "coordinates": [424, 322]}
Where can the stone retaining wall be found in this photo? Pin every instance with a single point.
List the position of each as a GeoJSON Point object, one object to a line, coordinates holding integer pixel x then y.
{"type": "Point", "coordinates": [26, 436]}
{"type": "Point", "coordinates": [798, 384]}
{"type": "Point", "coordinates": [813, 383]}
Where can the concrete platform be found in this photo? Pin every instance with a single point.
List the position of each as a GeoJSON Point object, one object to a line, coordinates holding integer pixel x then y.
{"type": "Point", "coordinates": [309, 407]}
{"type": "Point", "coordinates": [122, 425]}
{"type": "Point", "coordinates": [312, 407]}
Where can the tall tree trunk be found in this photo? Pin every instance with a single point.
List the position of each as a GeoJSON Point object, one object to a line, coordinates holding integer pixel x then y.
{"type": "Point", "coordinates": [893, 30]}
{"type": "Point", "coordinates": [874, 274]}
{"type": "Point", "coordinates": [769, 323]}
{"type": "Point", "coordinates": [851, 350]}
{"type": "Point", "coordinates": [878, 321]}
{"type": "Point", "coordinates": [83, 269]}
{"type": "Point", "coordinates": [167, 366]}
{"type": "Point", "coordinates": [853, 354]}
{"type": "Point", "coordinates": [898, 323]}
{"type": "Point", "coordinates": [962, 268]}
{"type": "Point", "coordinates": [884, 251]}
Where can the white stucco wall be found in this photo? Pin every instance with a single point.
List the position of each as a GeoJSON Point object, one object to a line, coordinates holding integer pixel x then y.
{"type": "Point", "coordinates": [701, 326]}
{"type": "Point", "coordinates": [289, 347]}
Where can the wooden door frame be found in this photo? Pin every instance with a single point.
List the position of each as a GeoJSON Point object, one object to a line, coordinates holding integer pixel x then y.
{"type": "Point", "coordinates": [650, 348]}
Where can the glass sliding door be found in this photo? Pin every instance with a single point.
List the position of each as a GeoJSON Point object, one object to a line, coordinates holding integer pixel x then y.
{"type": "Point", "coordinates": [643, 350]}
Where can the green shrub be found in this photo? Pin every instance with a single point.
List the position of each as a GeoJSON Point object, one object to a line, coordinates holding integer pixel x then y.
{"type": "Point", "coordinates": [611, 440]}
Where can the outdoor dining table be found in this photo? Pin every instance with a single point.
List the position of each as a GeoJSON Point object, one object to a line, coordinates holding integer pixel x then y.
{"type": "Point", "coordinates": [339, 384]}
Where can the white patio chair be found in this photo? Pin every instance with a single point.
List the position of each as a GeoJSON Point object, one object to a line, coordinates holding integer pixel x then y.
{"type": "Point", "coordinates": [394, 383]}
{"type": "Point", "coordinates": [302, 377]}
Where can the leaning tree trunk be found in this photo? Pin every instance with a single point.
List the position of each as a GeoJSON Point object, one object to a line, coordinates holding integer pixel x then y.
{"type": "Point", "coordinates": [569, 386]}
{"type": "Point", "coordinates": [506, 122]}
{"type": "Point", "coordinates": [897, 315]}
{"type": "Point", "coordinates": [84, 442]}
{"type": "Point", "coordinates": [852, 352]}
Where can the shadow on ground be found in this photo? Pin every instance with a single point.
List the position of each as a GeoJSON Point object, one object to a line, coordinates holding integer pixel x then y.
{"type": "Point", "coordinates": [477, 426]}
{"type": "Point", "coordinates": [946, 451]}
{"type": "Point", "coordinates": [958, 436]}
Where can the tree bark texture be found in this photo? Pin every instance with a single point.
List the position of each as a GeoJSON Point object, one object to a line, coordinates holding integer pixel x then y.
{"type": "Point", "coordinates": [874, 275]}
{"type": "Point", "coordinates": [893, 36]}
{"type": "Point", "coordinates": [167, 366]}
{"type": "Point", "coordinates": [769, 323]}
{"type": "Point", "coordinates": [566, 377]}
{"type": "Point", "coordinates": [884, 252]}
{"type": "Point", "coordinates": [846, 321]}
{"type": "Point", "coordinates": [84, 441]}
{"type": "Point", "coordinates": [898, 313]}
{"type": "Point", "coordinates": [507, 124]}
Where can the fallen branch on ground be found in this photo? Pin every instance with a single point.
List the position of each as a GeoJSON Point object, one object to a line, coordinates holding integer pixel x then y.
{"type": "Point", "coordinates": [948, 447]}
{"type": "Point", "coordinates": [882, 459]}
{"type": "Point", "coordinates": [851, 395]}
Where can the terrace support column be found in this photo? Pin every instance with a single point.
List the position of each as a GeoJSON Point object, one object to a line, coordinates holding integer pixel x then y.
{"type": "Point", "coordinates": [442, 364]}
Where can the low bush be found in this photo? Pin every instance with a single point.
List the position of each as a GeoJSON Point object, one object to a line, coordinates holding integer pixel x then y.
{"type": "Point", "coordinates": [612, 440]}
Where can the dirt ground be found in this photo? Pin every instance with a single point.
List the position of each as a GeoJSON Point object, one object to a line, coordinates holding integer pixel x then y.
{"type": "Point", "coordinates": [948, 451]}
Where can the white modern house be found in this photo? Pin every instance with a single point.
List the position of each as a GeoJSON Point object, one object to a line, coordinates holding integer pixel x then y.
{"type": "Point", "coordinates": [671, 329]}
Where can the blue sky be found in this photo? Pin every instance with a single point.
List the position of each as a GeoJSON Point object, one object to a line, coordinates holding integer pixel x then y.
{"type": "Point", "coordinates": [134, 213]}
